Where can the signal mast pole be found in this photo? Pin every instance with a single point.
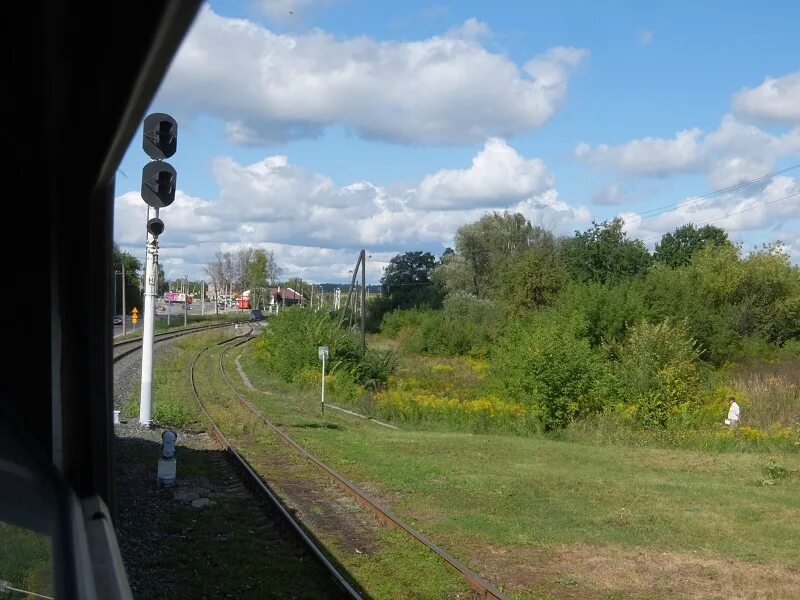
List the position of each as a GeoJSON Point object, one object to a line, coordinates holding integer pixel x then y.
{"type": "Point", "coordinates": [146, 398]}
{"type": "Point", "coordinates": [159, 181]}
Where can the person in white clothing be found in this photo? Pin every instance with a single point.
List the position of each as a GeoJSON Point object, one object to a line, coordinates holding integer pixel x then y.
{"type": "Point", "coordinates": [734, 413]}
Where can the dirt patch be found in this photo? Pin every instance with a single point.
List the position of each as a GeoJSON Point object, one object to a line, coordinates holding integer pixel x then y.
{"type": "Point", "coordinates": [585, 571]}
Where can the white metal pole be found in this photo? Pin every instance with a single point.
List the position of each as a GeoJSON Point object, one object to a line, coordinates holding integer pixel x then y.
{"type": "Point", "coordinates": [146, 398]}
{"type": "Point", "coordinates": [203, 298]}
{"type": "Point", "coordinates": [323, 384]}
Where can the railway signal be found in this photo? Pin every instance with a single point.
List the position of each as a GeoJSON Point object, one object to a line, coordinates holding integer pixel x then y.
{"type": "Point", "coordinates": [159, 183]}
{"type": "Point", "coordinates": [135, 316]}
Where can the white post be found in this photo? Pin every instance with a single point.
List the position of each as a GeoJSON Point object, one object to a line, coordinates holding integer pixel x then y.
{"type": "Point", "coordinates": [203, 298]}
{"type": "Point", "coordinates": [323, 384]}
{"type": "Point", "coordinates": [146, 398]}
{"type": "Point", "coordinates": [323, 354]}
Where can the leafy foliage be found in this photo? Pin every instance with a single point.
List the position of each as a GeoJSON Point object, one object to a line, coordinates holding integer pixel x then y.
{"type": "Point", "coordinates": [603, 254]}
{"type": "Point", "coordinates": [657, 370]}
{"type": "Point", "coordinates": [677, 248]}
{"type": "Point", "coordinates": [545, 365]}
{"type": "Point", "coordinates": [289, 347]}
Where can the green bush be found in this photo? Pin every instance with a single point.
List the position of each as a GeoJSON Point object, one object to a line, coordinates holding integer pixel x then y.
{"type": "Point", "coordinates": [290, 348]}
{"type": "Point", "coordinates": [466, 325]}
{"type": "Point", "coordinates": [657, 370]}
{"type": "Point", "coordinates": [290, 344]}
{"type": "Point", "coordinates": [543, 364]}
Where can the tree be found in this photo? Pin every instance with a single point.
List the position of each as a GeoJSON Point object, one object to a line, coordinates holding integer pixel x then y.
{"type": "Point", "coordinates": [533, 279]}
{"type": "Point", "coordinates": [260, 269]}
{"type": "Point", "coordinates": [484, 248]}
{"type": "Point", "coordinates": [406, 281]}
{"type": "Point", "coordinates": [677, 248]}
{"type": "Point", "coordinates": [133, 296]}
{"type": "Point", "coordinates": [604, 254]}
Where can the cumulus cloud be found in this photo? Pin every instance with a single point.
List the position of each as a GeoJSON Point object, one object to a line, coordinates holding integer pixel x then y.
{"type": "Point", "coordinates": [498, 174]}
{"type": "Point", "coordinates": [732, 153]}
{"type": "Point", "coordinates": [649, 156]}
{"type": "Point", "coordinates": [272, 201]}
{"type": "Point", "coordinates": [744, 210]}
{"type": "Point", "coordinates": [444, 89]}
{"type": "Point", "coordinates": [776, 100]}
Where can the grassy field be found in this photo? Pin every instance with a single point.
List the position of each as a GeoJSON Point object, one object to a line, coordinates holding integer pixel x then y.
{"type": "Point", "coordinates": [546, 518]}
{"type": "Point", "coordinates": [389, 569]}
{"type": "Point", "coordinates": [25, 560]}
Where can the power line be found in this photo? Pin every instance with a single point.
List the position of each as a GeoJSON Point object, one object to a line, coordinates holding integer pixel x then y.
{"type": "Point", "coordinates": [732, 214]}
{"type": "Point", "coordinates": [654, 212]}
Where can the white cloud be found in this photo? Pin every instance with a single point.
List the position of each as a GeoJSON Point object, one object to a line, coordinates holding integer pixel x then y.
{"type": "Point", "coordinates": [646, 38]}
{"type": "Point", "coordinates": [741, 211]}
{"type": "Point", "coordinates": [273, 201]}
{"type": "Point", "coordinates": [733, 153]}
{"type": "Point", "coordinates": [609, 196]}
{"type": "Point", "coordinates": [776, 100]}
{"type": "Point", "coordinates": [649, 156]}
{"type": "Point", "coordinates": [444, 89]}
{"type": "Point", "coordinates": [498, 175]}
{"type": "Point", "coordinates": [469, 29]}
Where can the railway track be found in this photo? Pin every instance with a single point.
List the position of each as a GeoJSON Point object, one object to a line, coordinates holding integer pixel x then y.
{"type": "Point", "coordinates": [481, 587]}
{"type": "Point", "coordinates": [251, 479]}
{"type": "Point", "coordinates": [124, 348]}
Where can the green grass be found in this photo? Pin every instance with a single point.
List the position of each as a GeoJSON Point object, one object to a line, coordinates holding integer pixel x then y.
{"type": "Point", "coordinates": [388, 571]}
{"type": "Point", "coordinates": [394, 569]}
{"type": "Point", "coordinates": [476, 491]}
{"type": "Point", "coordinates": [173, 402]}
{"type": "Point", "coordinates": [25, 560]}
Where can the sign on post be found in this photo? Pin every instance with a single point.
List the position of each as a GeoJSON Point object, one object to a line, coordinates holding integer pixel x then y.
{"type": "Point", "coordinates": [135, 315]}
{"type": "Point", "coordinates": [323, 356]}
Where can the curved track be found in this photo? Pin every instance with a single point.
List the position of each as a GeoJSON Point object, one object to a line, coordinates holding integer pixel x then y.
{"type": "Point", "coordinates": [255, 483]}
{"type": "Point", "coordinates": [125, 347]}
{"type": "Point", "coordinates": [483, 588]}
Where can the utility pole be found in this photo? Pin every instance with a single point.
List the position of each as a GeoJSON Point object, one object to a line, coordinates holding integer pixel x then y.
{"type": "Point", "coordinates": [159, 181]}
{"type": "Point", "coordinates": [123, 296]}
{"type": "Point", "coordinates": [363, 301]}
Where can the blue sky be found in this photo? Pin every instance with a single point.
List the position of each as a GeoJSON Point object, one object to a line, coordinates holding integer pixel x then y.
{"type": "Point", "coordinates": [437, 112]}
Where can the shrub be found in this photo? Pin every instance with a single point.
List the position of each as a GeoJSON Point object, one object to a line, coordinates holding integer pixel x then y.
{"type": "Point", "coordinates": [657, 370]}
{"type": "Point", "coordinates": [466, 325]}
{"type": "Point", "coordinates": [544, 365]}
{"type": "Point", "coordinates": [289, 347]}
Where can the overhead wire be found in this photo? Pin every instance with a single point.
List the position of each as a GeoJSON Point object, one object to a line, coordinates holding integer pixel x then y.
{"type": "Point", "coordinates": [654, 212]}
{"type": "Point", "coordinates": [736, 212]}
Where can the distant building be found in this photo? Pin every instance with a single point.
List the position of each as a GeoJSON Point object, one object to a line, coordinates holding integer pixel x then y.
{"type": "Point", "coordinates": [284, 296]}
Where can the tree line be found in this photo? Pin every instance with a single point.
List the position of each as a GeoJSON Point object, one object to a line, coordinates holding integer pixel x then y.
{"type": "Point", "coordinates": [572, 325]}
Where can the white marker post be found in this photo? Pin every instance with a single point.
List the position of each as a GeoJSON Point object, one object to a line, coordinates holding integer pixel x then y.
{"type": "Point", "coordinates": [323, 354]}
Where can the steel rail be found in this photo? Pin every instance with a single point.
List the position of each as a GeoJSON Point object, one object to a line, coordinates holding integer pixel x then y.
{"type": "Point", "coordinates": [483, 588]}
{"type": "Point", "coordinates": [255, 483]}
{"type": "Point", "coordinates": [167, 335]}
